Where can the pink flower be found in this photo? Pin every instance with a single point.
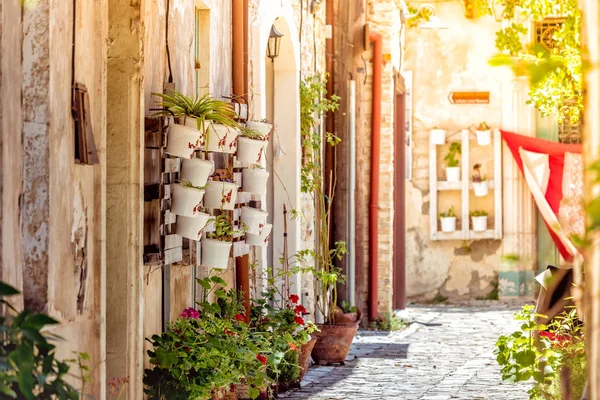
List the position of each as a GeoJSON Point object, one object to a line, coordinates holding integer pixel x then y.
{"type": "Point", "coordinates": [294, 298]}
{"type": "Point", "coordinates": [190, 313]}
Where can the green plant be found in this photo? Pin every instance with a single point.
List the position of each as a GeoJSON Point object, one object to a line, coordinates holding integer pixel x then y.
{"type": "Point", "coordinates": [438, 299]}
{"type": "Point", "coordinates": [313, 104]}
{"type": "Point", "coordinates": [189, 184]}
{"type": "Point", "coordinates": [483, 126]}
{"type": "Point", "coordinates": [478, 213]}
{"type": "Point", "coordinates": [29, 366]}
{"type": "Point", "coordinates": [451, 158]}
{"type": "Point", "coordinates": [493, 294]}
{"type": "Point", "coordinates": [555, 69]}
{"type": "Point", "coordinates": [388, 322]}
{"type": "Point", "coordinates": [252, 134]}
{"type": "Point", "coordinates": [206, 351]}
{"type": "Point", "coordinates": [347, 308]}
{"type": "Point", "coordinates": [418, 16]}
{"type": "Point", "coordinates": [224, 228]}
{"type": "Point", "coordinates": [449, 214]}
{"type": "Point", "coordinates": [477, 175]}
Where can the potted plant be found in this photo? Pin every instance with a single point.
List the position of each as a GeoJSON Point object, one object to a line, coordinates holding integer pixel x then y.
{"type": "Point", "coordinates": [187, 199]}
{"type": "Point", "coordinates": [254, 180]}
{"type": "Point", "coordinates": [192, 227]}
{"type": "Point", "coordinates": [453, 163]}
{"type": "Point", "coordinates": [212, 119]}
{"type": "Point", "coordinates": [480, 185]}
{"type": "Point", "coordinates": [484, 134]}
{"type": "Point", "coordinates": [437, 136]}
{"type": "Point", "coordinates": [196, 171]}
{"type": "Point", "coordinates": [220, 194]}
{"type": "Point", "coordinates": [479, 220]}
{"type": "Point", "coordinates": [207, 351]}
{"type": "Point", "coordinates": [262, 238]}
{"type": "Point", "coordinates": [448, 220]}
{"type": "Point", "coordinates": [216, 244]}
{"type": "Point", "coordinates": [251, 144]}
{"type": "Point", "coordinates": [254, 219]}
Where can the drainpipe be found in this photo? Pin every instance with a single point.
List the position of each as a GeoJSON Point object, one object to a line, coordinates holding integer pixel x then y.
{"type": "Point", "coordinates": [351, 190]}
{"type": "Point", "coordinates": [375, 166]}
{"type": "Point", "coordinates": [239, 73]}
{"type": "Point", "coordinates": [330, 121]}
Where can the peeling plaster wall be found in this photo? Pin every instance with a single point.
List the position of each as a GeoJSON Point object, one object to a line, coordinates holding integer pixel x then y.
{"type": "Point", "coordinates": [454, 59]}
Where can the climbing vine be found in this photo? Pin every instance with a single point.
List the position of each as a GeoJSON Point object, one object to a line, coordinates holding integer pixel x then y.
{"type": "Point", "coordinates": [555, 69]}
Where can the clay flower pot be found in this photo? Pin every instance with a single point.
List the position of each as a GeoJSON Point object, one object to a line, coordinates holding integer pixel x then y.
{"type": "Point", "coordinates": [342, 318]}
{"type": "Point", "coordinates": [304, 359]}
{"type": "Point", "coordinates": [333, 343]}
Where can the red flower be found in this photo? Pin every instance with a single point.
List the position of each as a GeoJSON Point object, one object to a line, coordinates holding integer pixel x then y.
{"type": "Point", "coordinates": [556, 338]}
{"type": "Point", "coordinates": [299, 320]}
{"type": "Point", "coordinates": [294, 298]}
{"type": "Point", "coordinates": [240, 317]}
{"type": "Point", "coordinates": [265, 320]}
{"type": "Point", "coordinates": [262, 359]}
{"type": "Point", "coordinates": [293, 346]}
{"type": "Point", "coordinates": [300, 309]}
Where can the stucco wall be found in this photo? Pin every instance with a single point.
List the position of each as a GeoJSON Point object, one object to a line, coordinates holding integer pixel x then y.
{"type": "Point", "coordinates": [454, 59]}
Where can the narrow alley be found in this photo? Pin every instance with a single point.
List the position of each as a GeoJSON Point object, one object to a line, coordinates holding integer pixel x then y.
{"type": "Point", "coordinates": [445, 353]}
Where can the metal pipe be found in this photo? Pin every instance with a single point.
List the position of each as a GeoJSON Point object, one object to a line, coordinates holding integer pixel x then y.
{"type": "Point", "coordinates": [351, 191]}
{"type": "Point", "coordinates": [375, 167]}
{"type": "Point", "coordinates": [237, 22]}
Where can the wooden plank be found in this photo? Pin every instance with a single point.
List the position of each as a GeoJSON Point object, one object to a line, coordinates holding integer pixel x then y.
{"type": "Point", "coordinates": [170, 218]}
{"type": "Point", "coordinates": [173, 255]}
{"type": "Point", "coordinates": [464, 223]}
{"type": "Point", "coordinates": [433, 194]}
{"type": "Point", "coordinates": [172, 165]}
{"type": "Point", "coordinates": [498, 188]}
{"type": "Point", "coordinates": [172, 241]}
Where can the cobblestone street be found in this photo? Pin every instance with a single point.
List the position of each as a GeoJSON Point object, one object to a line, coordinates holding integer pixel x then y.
{"type": "Point", "coordinates": [445, 353]}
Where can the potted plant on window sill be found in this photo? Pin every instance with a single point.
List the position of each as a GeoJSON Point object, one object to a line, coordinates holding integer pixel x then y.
{"type": "Point", "coordinates": [437, 136]}
{"type": "Point", "coordinates": [254, 180]}
{"type": "Point", "coordinates": [448, 220]}
{"type": "Point", "coordinates": [251, 144]}
{"type": "Point", "coordinates": [186, 199]}
{"type": "Point", "coordinates": [453, 163]}
{"type": "Point", "coordinates": [212, 119]}
{"type": "Point", "coordinates": [479, 220]}
{"type": "Point", "coordinates": [484, 134]}
{"type": "Point", "coordinates": [480, 184]}
{"type": "Point", "coordinates": [216, 244]}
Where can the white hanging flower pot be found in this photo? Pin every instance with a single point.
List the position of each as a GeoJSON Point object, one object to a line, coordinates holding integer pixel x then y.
{"type": "Point", "coordinates": [220, 195]}
{"type": "Point", "coordinates": [448, 224]}
{"type": "Point", "coordinates": [262, 239]}
{"type": "Point", "coordinates": [250, 150]}
{"type": "Point", "coordinates": [438, 136]}
{"type": "Point", "coordinates": [480, 188]}
{"type": "Point", "coordinates": [215, 253]}
{"type": "Point", "coordinates": [453, 174]}
{"type": "Point", "coordinates": [484, 137]}
{"type": "Point", "coordinates": [186, 201]}
{"type": "Point", "coordinates": [254, 219]}
{"type": "Point", "coordinates": [241, 110]}
{"type": "Point", "coordinates": [192, 123]}
{"type": "Point", "coordinates": [221, 138]}
{"type": "Point", "coordinates": [255, 181]}
{"type": "Point", "coordinates": [263, 128]}
{"type": "Point", "coordinates": [182, 141]}
{"type": "Point", "coordinates": [196, 171]}
{"type": "Point", "coordinates": [192, 227]}
{"type": "Point", "coordinates": [479, 223]}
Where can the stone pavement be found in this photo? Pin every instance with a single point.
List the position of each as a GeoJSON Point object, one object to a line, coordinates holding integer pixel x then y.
{"type": "Point", "coordinates": [445, 353]}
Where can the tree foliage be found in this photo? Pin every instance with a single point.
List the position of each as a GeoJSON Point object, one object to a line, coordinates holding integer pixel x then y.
{"type": "Point", "coordinates": [556, 72]}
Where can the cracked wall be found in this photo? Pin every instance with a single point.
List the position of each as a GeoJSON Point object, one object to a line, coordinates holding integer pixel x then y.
{"type": "Point", "coordinates": [442, 61]}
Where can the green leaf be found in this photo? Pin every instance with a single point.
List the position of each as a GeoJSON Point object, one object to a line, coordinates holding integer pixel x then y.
{"type": "Point", "coordinates": [7, 290]}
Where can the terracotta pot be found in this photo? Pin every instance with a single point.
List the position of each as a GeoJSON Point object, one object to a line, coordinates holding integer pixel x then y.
{"type": "Point", "coordinates": [342, 318]}
{"type": "Point", "coordinates": [304, 359]}
{"type": "Point", "coordinates": [333, 343]}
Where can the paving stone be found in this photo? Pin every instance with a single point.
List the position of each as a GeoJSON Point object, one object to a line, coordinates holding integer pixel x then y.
{"type": "Point", "coordinates": [445, 353]}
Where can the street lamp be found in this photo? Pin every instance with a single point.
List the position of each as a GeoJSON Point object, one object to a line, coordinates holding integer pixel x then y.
{"type": "Point", "coordinates": [274, 43]}
{"type": "Point", "coordinates": [433, 23]}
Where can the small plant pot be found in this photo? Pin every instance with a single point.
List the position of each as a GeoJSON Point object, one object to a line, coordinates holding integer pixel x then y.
{"type": "Point", "coordinates": [187, 201]}
{"type": "Point", "coordinates": [448, 224]}
{"type": "Point", "coordinates": [215, 253]}
{"type": "Point", "coordinates": [453, 174]}
{"type": "Point", "coordinates": [196, 171]}
{"type": "Point", "coordinates": [192, 227]}
{"type": "Point", "coordinates": [221, 195]}
{"type": "Point", "coordinates": [262, 239]}
{"type": "Point", "coordinates": [255, 219]}
{"type": "Point", "coordinates": [250, 151]}
{"type": "Point", "coordinates": [333, 343]}
{"type": "Point", "coordinates": [480, 188]}
{"type": "Point", "coordinates": [255, 181]}
{"type": "Point", "coordinates": [484, 137]}
{"type": "Point", "coordinates": [304, 359]}
{"type": "Point", "coordinates": [263, 127]}
{"type": "Point", "coordinates": [182, 141]}
{"type": "Point", "coordinates": [221, 139]}
{"type": "Point", "coordinates": [479, 223]}
{"type": "Point", "coordinates": [438, 136]}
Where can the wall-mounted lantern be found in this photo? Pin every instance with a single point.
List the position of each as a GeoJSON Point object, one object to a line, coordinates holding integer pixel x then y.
{"type": "Point", "coordinates": [274, 43]}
